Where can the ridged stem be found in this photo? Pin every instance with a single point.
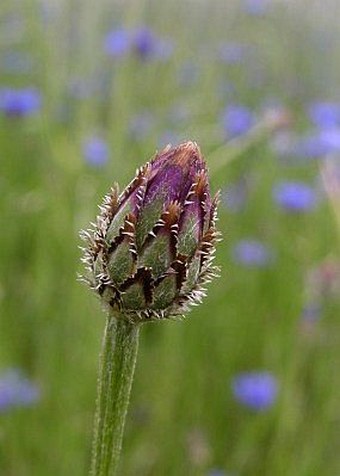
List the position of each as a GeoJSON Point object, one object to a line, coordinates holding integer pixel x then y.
{"type": "Point", "coordinates": [119, 353]}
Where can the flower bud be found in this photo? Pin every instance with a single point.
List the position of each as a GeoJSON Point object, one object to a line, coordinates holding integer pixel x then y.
{"type": "Point", "coordinates": [151, 249]}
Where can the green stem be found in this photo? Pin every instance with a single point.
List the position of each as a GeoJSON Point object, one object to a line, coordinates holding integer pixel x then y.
{"type": "Point", "coordinates": [119, 352]}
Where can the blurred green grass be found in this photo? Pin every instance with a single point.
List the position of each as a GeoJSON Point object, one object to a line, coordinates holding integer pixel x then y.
{"type": "Point", "coordinates": [183, 418]}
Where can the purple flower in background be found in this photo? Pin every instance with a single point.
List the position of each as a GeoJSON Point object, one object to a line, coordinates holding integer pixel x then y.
{"type": "Point", "coordinates": [19, 102]}
{"type": "Point", "coordinates": [237, 120]}
{"type": "Point", "coordinates": [324, 114]}
{"type": "Point", "coordinates": [253, 253]}
{"type": "Point", "coordinates": [295, 196]}
{"type": "Point", "coordinates": [255, 7]}
{"type": "Point", "coordinates": [311, 146]}
{"type": "Point", "coordinates": [143, 41]}
{"type": "Point", "coordinates": [117, 42]}
{"type": "Point", "coordinates": [330, 138]}
{"type": "Point", "coordinates": [148, 45]}
{"type": "Point", "coordinates": [232, 53]}
{"type": "Point", "coordinates": [16, 390]}
{"type": "Point", "coordinates": [141, 125]}
{"type": "Point", "coordinates": [96, 151]}
{"type": "Point", "coordinates": [255, 390]}
{"type": "Point", "coordinates": [311, 312]}
{"type": "Point", "coordinates": [318, 144]}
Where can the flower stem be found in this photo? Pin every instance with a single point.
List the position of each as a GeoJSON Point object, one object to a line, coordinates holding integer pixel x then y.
{"type": "Point", "coordinates": [119, 352]}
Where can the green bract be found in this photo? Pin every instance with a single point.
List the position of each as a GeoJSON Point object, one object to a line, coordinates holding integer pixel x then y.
{"type": "Point", "coordinates": [151, 249]}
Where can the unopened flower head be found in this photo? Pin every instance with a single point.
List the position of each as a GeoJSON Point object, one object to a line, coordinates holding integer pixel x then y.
{"type": "Point", "coordinates": [151, 250]}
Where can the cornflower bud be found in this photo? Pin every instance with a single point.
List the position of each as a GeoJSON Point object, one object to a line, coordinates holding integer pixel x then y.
{"type": "Point", "coordinates": [151, 249]}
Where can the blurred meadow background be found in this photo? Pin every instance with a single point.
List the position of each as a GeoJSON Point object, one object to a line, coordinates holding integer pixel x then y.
{"type": "Point", "coordinates": [248, 384]}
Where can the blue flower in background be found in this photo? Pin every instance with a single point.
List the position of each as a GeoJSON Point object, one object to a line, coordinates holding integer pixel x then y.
{"type": "Point", "coordinates": [330, 138]}
{"type": "Point", "coordinates": [255, 7]}
{"type": "Point", "coordinates": [255, 390]}
{"type": "Point", "coordinates": [16, 390]}
{"type": "Point", "coordinates": [311, 312]}
{"type": "Point", "coordinates": [141, 125]}
{"type": "Point", "coordinates": [148, 45]}
{"type": "Point", "coordinates": [311, 146]}
{"type": "Point", "coordinates": [117, 42]}
{"type": "Point", "coordinates": [237, 120]}
{"type": "Point", "coordinates": [252, 253]}
{"type": "Point", "coordinates": [19, 102]}
{"type": "Point", "coordinates": [295, 196]}
{"type": "Point", "coordinates": [143, 41]}
{"type": "Point", "coordinates": [96, 151]}
{"type": "Point", "coordinates": [232, 53]}
{"type": "Point", "coordinates": [318, 144]}
{"type": "Point", "coordinates": [324, 114]}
